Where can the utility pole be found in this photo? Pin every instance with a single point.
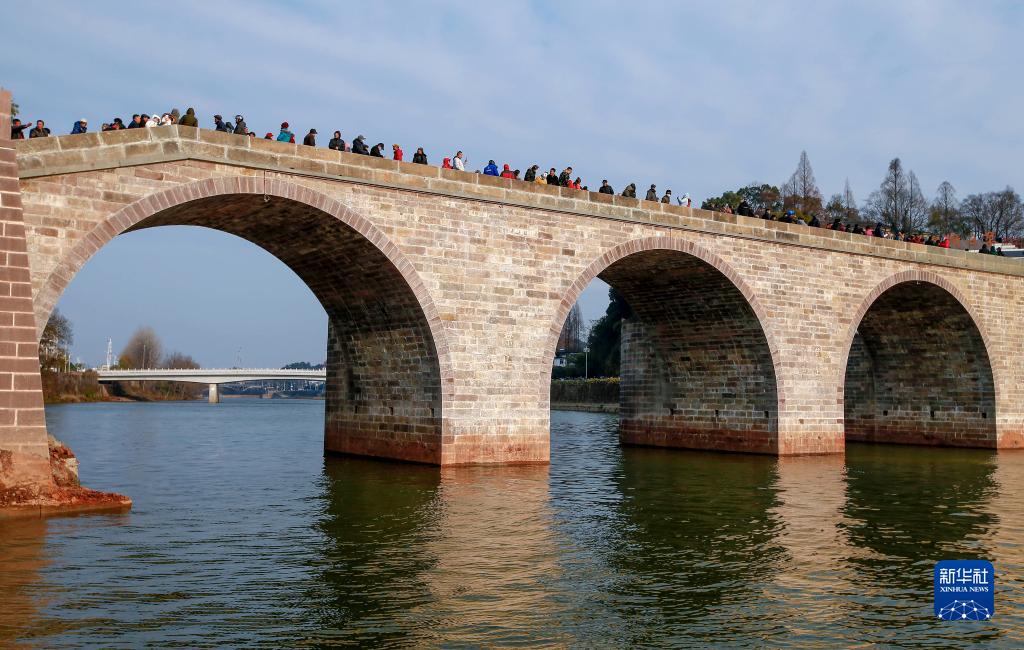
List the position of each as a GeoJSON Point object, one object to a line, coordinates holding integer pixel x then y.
{"type": "Point", "coordinates": [586, 362]}
{"type": "Point", "coordinates": [110, 354]}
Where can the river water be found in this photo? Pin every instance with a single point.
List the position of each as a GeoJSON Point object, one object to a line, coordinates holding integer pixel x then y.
{"type": "Point", "coordinates": [244, 534]}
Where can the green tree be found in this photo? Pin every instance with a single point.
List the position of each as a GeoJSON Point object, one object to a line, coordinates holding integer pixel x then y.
{"type": "Point", "coordinates": [605, 340]}
{"type": "Point", "coordinates": [758, 195]}
{"type": "Point", "coordinates": [761, 196]}
{"type": "Point", "coordinates": [718, 203]}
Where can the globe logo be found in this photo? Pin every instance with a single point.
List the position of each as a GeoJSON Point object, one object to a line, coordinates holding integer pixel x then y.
{"type": "Point", "coordinates": [965, 610]}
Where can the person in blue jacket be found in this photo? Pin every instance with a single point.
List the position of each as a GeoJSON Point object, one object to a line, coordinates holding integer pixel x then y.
{"type": "Point", "coordinates": [285, 135]}
{"type": "Point", "coordinates": [81, 126]}
{"type": "Point", "coordinates": [491, 169]}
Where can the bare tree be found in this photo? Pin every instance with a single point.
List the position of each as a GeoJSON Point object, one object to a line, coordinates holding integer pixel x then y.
{"type": "Point", "coordinates": [55, 343]}
{"type": "Point", "coordinates": [917, 205]}
{"type": "Point", "coordinates": [835, 208]}
{"type": "Point", "coordinates": [180, 361]}
{"type": "Point", "coordinates": [571, 337]}
{"type": "Point", "coordinates": [800, 192]}
{"type": "Point", "coordinates": [945, 216]}
{"type": "Point", "coordinates": [891, 202]}
{"type": "Point", "coordinates": [850, 211]}
{"type": "Point", "coordinates": [178, 389]}
{"type": "Point", "coordinates": [144, 350]}
{"type": "Point", "coordinates": [999, 213]}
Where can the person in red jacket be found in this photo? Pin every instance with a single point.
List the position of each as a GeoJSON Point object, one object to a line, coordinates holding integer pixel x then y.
{"type": "Point", "coordinates": [944, 243]}
{"type": "Point", "coordinates": [507, 173]}
{"type": "Point", "coordinates": [398, 152]}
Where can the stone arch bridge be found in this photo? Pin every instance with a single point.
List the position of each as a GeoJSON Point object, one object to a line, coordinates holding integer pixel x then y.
{"type": "Point", "coordinates": [446, 291]}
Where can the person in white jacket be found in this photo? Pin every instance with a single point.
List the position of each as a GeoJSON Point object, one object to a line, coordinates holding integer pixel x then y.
{"type": "Point", "coordinates": [458, 162]}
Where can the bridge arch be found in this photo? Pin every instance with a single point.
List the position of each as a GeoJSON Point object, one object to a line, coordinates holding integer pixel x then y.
{"type": "Point", "coordinates": [698, 365]}
{"type": "Point", "coordinates": [382, 320]}
{"type": "Point", "coordinates": [916, 367]}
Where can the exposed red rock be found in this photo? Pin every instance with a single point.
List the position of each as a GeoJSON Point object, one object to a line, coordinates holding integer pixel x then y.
{"type": "Point", "coordinates": [63, 496]}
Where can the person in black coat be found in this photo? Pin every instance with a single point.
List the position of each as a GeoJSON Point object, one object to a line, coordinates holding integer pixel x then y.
{"type": "Point", "coordinates": [310, 139]}
{"type": "Point", "coordinates": [606, 188]}
{"type": "Point", "coordinates": [420, 158]}
{"type": "Point", "coordinates": [531, 174]}
{"type": "Point", "coordinates": [552, 177]}
{"type": "Point", "coordinates": [378, 150]}
{"type": "Point", "coordinates": [336, 142]}
{"type": "Point", "coordinates": [359, 146]}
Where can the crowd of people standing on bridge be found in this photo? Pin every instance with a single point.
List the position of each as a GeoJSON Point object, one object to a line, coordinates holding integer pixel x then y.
{"type": "Point", "coordinates": [458, 161]}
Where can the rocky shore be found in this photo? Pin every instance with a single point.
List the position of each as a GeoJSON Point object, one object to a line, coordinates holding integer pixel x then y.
{"type": "Point", "coordinates": [22, 497]}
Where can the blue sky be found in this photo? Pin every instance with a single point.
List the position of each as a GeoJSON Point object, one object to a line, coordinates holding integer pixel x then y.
{"type": "Point", "coordinates": [698, 97]}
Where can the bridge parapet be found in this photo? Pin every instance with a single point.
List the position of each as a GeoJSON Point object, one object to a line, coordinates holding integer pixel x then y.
{"type": "Point", "coordinates": [70, 154]}
{"type": "Point", "coordinates": [211, 375]}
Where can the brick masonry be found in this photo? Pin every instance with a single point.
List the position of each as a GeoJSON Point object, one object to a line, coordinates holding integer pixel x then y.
{"type": "Point", "coordinates": [24, 450]}
{"type": "Point", "coordinates": [919, 372]}
{"type": "Point", "coordinates": [446, 292]}
{"type": "Point", "coordinates": [697, 369]}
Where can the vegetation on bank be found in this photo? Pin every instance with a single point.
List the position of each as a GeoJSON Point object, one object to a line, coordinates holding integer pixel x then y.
{"type": "Point", "coordinates": [65, 381]}
{"type": "Point", "coordinates": [75, 386]}
{"type": "Point", "coordinates": [604, 390]}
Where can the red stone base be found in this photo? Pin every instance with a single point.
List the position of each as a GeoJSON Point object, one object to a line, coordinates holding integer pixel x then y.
{"type": "Point", "coordinates": [496, 449]}
{"type": "Point", "coordinates": [649, 433]}
{"type": "Point", "coordinates": [811, 443]}
{"type": "Point", "coordinates": [923, 436]}
{"type": "Point", "coordinates": [488, 448]}
{"type": "Point", "coordinates": [393, 446]}
{"type": "Point", "coordinates": [20, 502]}
{"type": "Point", "coordinates": [678, 435]}
{"type": "Point", "coordinates": [1010, 440]}
{"type": "Point", "coordinates": [32, 485]}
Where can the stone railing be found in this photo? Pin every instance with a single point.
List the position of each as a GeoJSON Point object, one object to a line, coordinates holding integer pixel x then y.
{"type": "Point", "coordinates": [111, 149]}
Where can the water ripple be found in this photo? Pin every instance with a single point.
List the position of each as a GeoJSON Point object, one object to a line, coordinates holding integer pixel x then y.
{"type": "Point", "coordinates": [243, 534]}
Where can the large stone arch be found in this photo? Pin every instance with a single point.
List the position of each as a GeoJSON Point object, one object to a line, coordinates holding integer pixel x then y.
{"type": "Point", "coordinates": [916, 367]}
{"type": "Point", "coordinates": [673, 393]}
{"type": "Point", "coordinates": [389, 368]}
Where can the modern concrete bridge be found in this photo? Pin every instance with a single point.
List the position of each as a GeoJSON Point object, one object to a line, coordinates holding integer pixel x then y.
{"type": "Point", "coordinates": [212, 377]}
{"type": "Point", "coordinates": [446, 291]}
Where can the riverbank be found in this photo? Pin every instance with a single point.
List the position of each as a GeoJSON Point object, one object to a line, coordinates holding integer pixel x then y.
{"type": "Point", "coordinates": [599, 395]}
{"type": "Point", "coordinates": [84, 387]}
